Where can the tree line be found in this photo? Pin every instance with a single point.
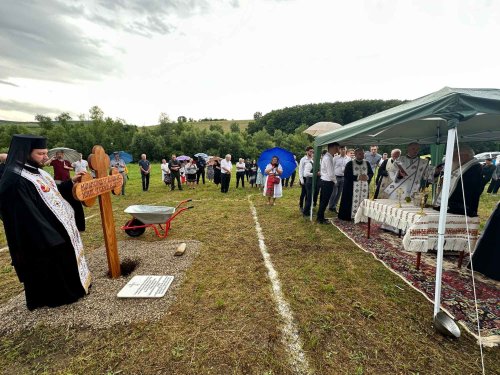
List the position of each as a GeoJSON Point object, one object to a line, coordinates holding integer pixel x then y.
{"type": "Point", "coordinates": [282, 128]}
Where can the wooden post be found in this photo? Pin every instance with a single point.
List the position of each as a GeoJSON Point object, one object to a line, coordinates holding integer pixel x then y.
{"type": "Point", "coordinates": [87, 190]}
{"type": "Point", "coordinates": [461, 258]}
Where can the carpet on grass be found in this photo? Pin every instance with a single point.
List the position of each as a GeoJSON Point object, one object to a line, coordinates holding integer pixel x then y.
{"type": "Point", "coordinates": [457, 296]}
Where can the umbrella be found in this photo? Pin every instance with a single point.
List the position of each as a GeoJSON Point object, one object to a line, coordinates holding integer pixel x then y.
{"type": "Point", "coordinates": [183, 157]}
{"type": "Point", "coordinates": [125, 156]}
{"type": "Point", "coordinates": [285, 157]}
{"type": "Point", "coordinates": [321, 127]}
{"type": "Point", "coordinates": [69, 154]}
{"type": "Point", "coordinates": [201, 155]}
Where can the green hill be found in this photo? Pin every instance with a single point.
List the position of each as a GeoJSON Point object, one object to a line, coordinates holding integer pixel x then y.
{"type": "Point", "coordinates": [28, 124]}
{"type": "Point", "coordinates": [225, 124]}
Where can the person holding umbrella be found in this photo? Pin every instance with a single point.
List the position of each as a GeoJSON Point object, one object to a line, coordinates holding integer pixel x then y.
{"type": "Point", "coordinates": [272, 184]}
{"type": "Point", "coordinates": [61, 167]}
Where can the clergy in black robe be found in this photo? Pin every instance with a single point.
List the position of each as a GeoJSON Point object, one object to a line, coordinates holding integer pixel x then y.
{"type": "Point", "coordinates": [382, 172]}
{"type": "Point", "coordinates": [470, 175]}
{"type": "Point", "coordinates": [43, 239]}
{"type": "Point", "coordinates": [357, 176]}
{"type": "Point", "coordinates": [486, 258]}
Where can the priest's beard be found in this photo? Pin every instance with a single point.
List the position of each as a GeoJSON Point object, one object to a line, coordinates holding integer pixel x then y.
{"type": "Point", "coordinates": [34, 163]}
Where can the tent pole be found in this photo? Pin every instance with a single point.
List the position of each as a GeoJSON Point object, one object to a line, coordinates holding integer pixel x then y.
{"type": "Point", "coordinates": [317, 151]}
{"type": "Point", "coordinates": [445, 192]}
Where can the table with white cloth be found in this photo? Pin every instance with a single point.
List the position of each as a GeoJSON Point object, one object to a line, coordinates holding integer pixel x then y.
{"type": "Point", "coordinates": [421, 231]}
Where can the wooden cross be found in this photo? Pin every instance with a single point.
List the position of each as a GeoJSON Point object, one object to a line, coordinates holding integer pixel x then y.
{"type": "Point", "coordinates": [89, 188]}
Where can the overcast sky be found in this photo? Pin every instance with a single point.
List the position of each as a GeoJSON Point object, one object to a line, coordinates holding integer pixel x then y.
{"type": "Point", "coordinates": [232, 58]}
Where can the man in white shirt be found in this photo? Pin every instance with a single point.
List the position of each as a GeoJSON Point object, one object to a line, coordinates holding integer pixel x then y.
{"type": "Point", "coordinates": [327, 181]}
{"type": "Point", "coordinates": [80, 165]}
{"type": "Point", "coordinates": [339, 163]}
{"type": "Point", "coordinates": [307, 175]}
{"type": "Point", "coordinates": [305, 159]}
{"type": "Point", "coordinates": [225, 173]}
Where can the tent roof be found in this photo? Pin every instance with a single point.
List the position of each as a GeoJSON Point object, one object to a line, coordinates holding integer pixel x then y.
{"type": "Point", "coordinates": [425, 120]}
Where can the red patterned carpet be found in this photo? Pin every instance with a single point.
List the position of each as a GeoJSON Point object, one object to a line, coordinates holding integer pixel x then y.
{"type": "Point", "coordinates": [457, 292]}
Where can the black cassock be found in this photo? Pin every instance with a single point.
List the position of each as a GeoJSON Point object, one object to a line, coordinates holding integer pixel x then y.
{"type": "Point", "coordinates": [486, 258]}
{"type": "Point", "coordinates": [41, 250]}
{"type": "Point", "coordinates": [346, 200]}
{"type": "Point", "coordinates": [473, 189]}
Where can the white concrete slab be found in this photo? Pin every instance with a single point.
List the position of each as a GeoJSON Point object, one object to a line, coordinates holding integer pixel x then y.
{"type": "Point", "coordinates": [146, 286]}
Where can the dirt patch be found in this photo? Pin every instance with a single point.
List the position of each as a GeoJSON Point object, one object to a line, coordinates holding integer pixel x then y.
{"type": "Point", "coordinates": [101, 308]}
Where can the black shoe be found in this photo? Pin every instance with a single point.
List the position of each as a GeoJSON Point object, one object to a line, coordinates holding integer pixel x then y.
{"type": "Point", "coordinates": [332, 210]}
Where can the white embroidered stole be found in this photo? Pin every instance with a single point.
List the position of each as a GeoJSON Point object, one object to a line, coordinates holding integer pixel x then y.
{"type": "Point", "coordinates": [63, 211]}
{"type": "Point", "coordinates": [360, 189]}
{"type": "Point", "coordinates": [410, 183]}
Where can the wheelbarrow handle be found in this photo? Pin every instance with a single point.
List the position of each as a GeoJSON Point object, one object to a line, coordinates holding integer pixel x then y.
{"type": "Point", "coordinates": [182, 202]}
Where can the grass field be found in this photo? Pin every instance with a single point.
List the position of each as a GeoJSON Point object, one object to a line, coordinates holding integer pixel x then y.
{"type": "Point", "coordinates": [353, 315]}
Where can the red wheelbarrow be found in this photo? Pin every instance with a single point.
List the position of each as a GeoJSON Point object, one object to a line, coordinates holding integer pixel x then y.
{"type": "Point", "coordinates": [151, 217]}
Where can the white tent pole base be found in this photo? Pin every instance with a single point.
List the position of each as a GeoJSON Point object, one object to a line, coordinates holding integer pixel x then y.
{"type": "Point", "coordinates": [452, 131]}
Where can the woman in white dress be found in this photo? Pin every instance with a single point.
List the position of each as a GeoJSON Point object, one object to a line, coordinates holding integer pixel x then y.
{"type": "Point", "coordinates": [272, 183]}
{"type": "Point", "coordinates": [164, 171]}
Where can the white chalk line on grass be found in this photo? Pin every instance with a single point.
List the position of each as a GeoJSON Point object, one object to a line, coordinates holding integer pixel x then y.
{"type": "Point", "coordinates": [289, 330]}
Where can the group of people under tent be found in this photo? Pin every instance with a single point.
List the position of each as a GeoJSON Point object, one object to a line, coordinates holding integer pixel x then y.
{"type": "Point", "coordinates": [345, 176]}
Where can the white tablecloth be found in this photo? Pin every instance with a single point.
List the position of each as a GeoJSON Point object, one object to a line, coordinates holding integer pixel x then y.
{"type": "Point", "coordinates": [421, 230]}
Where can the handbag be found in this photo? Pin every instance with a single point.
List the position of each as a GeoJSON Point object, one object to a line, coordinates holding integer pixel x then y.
{"type": "Point", "coordinates": [277, 180]}
{"type": "Point", "coordinates": [168, 178]}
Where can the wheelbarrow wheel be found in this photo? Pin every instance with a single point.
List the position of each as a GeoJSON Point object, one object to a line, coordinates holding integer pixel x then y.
{"type": "Point", "coordinates": [135, 232]}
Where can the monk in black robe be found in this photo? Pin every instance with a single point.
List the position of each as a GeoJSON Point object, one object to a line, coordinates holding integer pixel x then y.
{"type": "Point", "coordinates": [357, 176]}
{"type": "Point", "coordinates": [43, 239]}
{"type": "Point", "coordinates": [486, 258]}
{"type": "Point", "coordinates": [470, 176]}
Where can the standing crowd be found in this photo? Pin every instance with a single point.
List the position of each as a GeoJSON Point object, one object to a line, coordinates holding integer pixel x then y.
{"type": "Point", "coordinates": [344, 178]}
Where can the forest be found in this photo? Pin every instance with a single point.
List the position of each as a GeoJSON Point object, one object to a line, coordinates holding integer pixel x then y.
{"type": "Point", "coordinates": [282, 128]}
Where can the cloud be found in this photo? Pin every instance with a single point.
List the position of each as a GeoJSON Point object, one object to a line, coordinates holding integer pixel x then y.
{"type": "Point", "coordinates": [38, 42]}
{"type": "Point", "coordinates": [8, 83]}
{"type": "Point", "coordinates": [144, 18]}
{"type": "Point", "coordinates": [28, 108]}
{"type": "Point", "coordinates": [47, 39]}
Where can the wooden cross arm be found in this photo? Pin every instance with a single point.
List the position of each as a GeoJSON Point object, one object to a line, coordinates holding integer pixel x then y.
{"type": "Point", "coordinates": [93, 187]}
